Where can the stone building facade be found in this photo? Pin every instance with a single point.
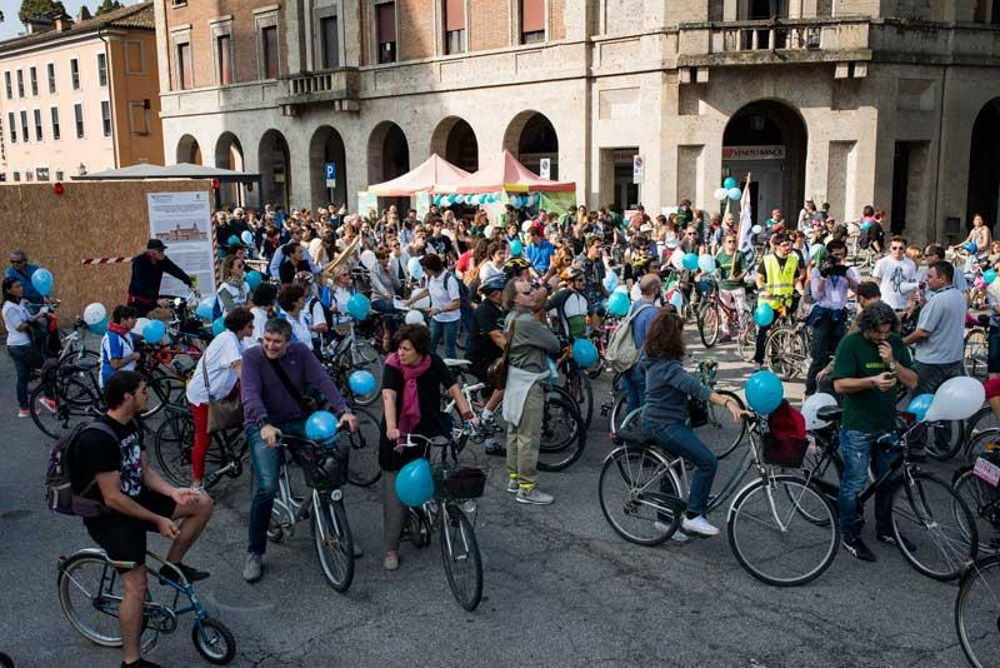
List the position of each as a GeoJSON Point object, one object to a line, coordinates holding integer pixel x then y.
{"type": "Point", "coordinates": [851, 102]}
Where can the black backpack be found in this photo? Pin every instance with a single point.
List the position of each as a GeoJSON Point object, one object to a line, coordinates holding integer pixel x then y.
{"type": "Point", "coordinates": [464, 295]}
{"type": "Point", "coordinates": [59, 496]}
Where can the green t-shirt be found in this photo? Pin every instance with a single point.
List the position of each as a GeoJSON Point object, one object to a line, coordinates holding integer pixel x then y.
{"type": "Point", "coordinates": [868, 411]}
{"type": "Point", "coordinates": [728, 264]}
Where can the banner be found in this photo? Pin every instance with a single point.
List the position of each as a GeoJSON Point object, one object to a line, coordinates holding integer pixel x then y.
{"type": "Point", "coordinates": [745, 239]}
{"type": "Point", "coordinates": [423, 204]}
{"type": "Point", "coordinates": [183, 222]}
{"type": "Point", "coordinates": [367, 202]}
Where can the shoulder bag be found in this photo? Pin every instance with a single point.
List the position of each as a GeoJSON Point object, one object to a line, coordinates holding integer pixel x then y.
{"type": "Point", "coordinates": [307, 404]}
{"type": "Point", "coordinates": [223, 414]}
{"type": "Point", "coordinates": [496, 373]}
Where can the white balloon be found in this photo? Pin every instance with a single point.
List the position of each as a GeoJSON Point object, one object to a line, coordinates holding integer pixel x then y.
{"type": "Point", "coordinates": [756, 229]}
{"type": "Point", "coordinates": [368, 260]}
{"type": "Point", "coordinates": [488, 231]}
{"type": "Point", "coordinates": [525, 226]}
{"type": "Point", "coordinates": [812, 405]}
{"type": "Point", "coordinates": [94, 313]}
{"type": "Point", "coordinates": [957, 399]}
{"type": "Point", "coordinates": [414, 318]}
{"type": "Point", "coordinates": [721, 193]}
{"type": "Point", "coordinates": [140, 326]}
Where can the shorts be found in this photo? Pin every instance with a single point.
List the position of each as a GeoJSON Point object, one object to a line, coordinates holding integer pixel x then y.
{"type": "Point", "coordinates": [123, 538]}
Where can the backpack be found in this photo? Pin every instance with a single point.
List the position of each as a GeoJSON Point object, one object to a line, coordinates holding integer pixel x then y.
{"type": "Point", "coordinates": [464, 295]}
{"type": "Point", "coordinates": [59, 496]}
{"type": "Point", "coordinates": [621, 352]}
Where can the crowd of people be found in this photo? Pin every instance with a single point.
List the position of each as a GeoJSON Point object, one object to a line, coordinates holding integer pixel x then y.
{"type": "Point", "coordinates": [520, 290]}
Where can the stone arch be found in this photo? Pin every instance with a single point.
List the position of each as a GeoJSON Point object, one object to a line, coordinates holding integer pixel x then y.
{"type": "Point", "coordinates": [455, 141]}
{"type": "Point", "coordinates": [388, 157]}
{"type": "Point", "coordinates": [188, 150]}
{"type": "Point", "coordinates": [274, 168]}
{"type": "Point", "coordinates": [327, 146]}
{"type": "Point", "coordinates": [229, 155]}
{"type": "Point", "coordinates": [530, 136]}
{"type": "Point", "coordinates": [983, 195]}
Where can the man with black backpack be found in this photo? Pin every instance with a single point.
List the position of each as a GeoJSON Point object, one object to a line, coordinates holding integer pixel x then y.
{"type": "Point", "coordinates": [109, 475]}
{"type": "Point", "coordinates": [640, 315]}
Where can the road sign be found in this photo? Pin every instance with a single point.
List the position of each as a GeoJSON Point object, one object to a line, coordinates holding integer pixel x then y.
{"type": "Point", "coordinates": [545, 168]}
{"type": "Point", "coordinates": [638, 168]}
{"type": "Point", "coordinates": [330, 173]}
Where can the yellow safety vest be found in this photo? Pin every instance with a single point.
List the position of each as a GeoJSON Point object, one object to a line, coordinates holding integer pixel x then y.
{"type": "Point", "coordinates": [780, 282]}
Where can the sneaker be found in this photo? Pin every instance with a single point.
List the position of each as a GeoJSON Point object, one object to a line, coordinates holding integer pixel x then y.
{"type": "Point", "coordinates": [699, 525]}
{"type": "Point", "coordinates": [48, 404]}
{"type": "Point", "coordinates": [534, 496]}
{"type": "Point", "coordinates": [494, 448]}
{"type": "Point", "coordinates": [887, 537]}
{"type": "Point", "coordinates": [512, 486]}
{"type": "Point", "coordinates": [192, 574]}
{"type": "Point", "coordinates": [858, 549]}
{"type": "Point", "coordinates": [254, 567]}
{"type": "Point", "coordinates": [23, 412]}
{"type": "Point", "coordinates": [391, 561]}
{"type": "Point", "coordinates": [678, 536]}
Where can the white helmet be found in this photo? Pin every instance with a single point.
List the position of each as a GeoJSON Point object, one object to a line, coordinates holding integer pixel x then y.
{"type": "Point", "coordinates": [811, 406]}
{"type": "Point", "coordinates": [414, 317]}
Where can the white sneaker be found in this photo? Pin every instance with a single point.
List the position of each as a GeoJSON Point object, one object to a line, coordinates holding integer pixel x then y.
{"type": "Point", "coordinates": [533, 496]}
{"type": "Point", "coordinates": [678, 535]}
{"type": "Point", "coordinates": [699, 525]}
{"type": "Point", "coordinates": [513, 486]}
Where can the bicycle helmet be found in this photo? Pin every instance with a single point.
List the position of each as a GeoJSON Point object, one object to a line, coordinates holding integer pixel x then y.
{"type": "Point", "coordinates": [515, 266]}
{"type": "Point", "coordinates": [493, 284]}
{"type": "Point", "coordinates": [571, 273]}
{"type": "Point", "coordinates": [303, 278]}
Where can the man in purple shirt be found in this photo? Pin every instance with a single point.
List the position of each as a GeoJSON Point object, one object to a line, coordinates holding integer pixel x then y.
{"type": "Point", "coordinates": [274, 381]}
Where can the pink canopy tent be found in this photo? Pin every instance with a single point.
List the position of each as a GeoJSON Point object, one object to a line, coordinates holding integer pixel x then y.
{"type": "Point", "coordinates": [434, 172]}
{"type": "Point", "coordinates": [507, 174]}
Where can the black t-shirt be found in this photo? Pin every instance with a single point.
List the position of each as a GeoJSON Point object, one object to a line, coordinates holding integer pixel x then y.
{"type": "Point", "coordinates": [96, 452]}
{"type": "Point", "coordinates": [488, 318]}
{"type": "Point", "coordinates": [432, 421]}
{"type": "Point", "coordinates": [441, 245]}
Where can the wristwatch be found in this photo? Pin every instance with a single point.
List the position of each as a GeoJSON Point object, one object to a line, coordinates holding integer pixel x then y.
{"type": "Point", "coordinates": [892, 366]}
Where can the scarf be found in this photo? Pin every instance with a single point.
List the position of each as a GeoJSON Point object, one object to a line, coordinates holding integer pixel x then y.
{"type": "Point", "coordinates": [409, 417]}
{"type": "Point", "coordinates": [118, 329]}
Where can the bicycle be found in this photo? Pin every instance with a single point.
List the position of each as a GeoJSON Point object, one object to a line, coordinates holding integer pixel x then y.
{"type": "Point", "coordinates": [714, 315]}
{"type": "Point", "coordinates": [577, 384]}
{"type": "Point", "coordinates": [456, 489]}
{"type": "Point", "coordinates": [174, 443]}
{"type": "Point", "coordinates": [91, 590]}
{"type": "Point", "coordinates": [352, 352]}
{"type": "Point", "coordinates": [976, 349]}
{"type": "Point", "coordinates": [787, 346]}
{"type": "Point", "coordinates": [325, 471]}
{"type": "Point", "coordinates": [976, 484]}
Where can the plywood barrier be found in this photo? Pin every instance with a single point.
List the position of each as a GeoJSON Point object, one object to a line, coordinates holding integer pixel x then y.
{"type": "Point", "coordinates": [90, 219]}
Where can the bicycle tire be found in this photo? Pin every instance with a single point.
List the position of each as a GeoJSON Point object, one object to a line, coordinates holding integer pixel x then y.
{"type": "Point", "coordinates": [977, 494]}
{"type": "Point", "coordinates": [333, 542]}
{"type": "Point", "coordinates": [68, 583]}
{"type": "Point", "coordinates": [968, 610]}
{"type": "Point", "coordinates": [558, 451]}
{"type": "Point", "coordinates": [365, 357]}
{"type": "Point", "coordinates": [362, 465]}
{"type": "Point", "coordinates": [785, 350]}
{"type": "Point", "coordinates": [626, 465]}
{"type": "Point", "coordinates": [976, 445]}
{"type": "Point", "coordinates": [746, 341]}
{"type": "Point", "coordinates": [911, 507]}
{"type": "Point", "coordinates": [213, 640]}
{"type": "Point", "coordinates": [68, 415]}
{"type": "Point", "coordinates": [708, 323]}
{"type": "Point", "coordinates": [618, 413]}
{"type": "Point", "coordinates": [173, 446]}
{"type": "Point", "coordinates": [714, 433]}
{"type": "Point", "coordinates": [457, 531]}
{"type": "Point", "coordinates": [579, 388]}
{"type": "Point", "coordinates": [796, 492]}
{"type": "Point", "coordinates": [947, 450]}
{"type": "Point", "coordinates": [975, 353]}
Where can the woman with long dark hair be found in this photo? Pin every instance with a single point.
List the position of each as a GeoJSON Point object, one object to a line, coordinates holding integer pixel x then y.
{"type": "Point", "coordinates": [20, 345]}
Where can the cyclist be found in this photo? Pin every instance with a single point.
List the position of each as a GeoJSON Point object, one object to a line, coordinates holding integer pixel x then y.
{"type": "Point", "coordinates": [732, 269]}
{"type": "Point", "coordinates": [147, 273]}
{"type": "Point", "coordinates": [777, 275]}
{"type": "Point", "coordinates": [866, 368]}
{"type": "Point", "coordinates": [892, 271]}
{"type": "Point", "coordinates": [446, 303]}
{"type": "Point", "coordinates": [113, 470]}
{"type": "Point", "coordinates": [26, 354]}
{"type": "Point", "coordinates": [234, 290]}
{"type": "Point", "coordinates": [569, 306]}
{"type": "Point", "coordinates": [594, 272]}
{"type": "Point", "coordinates": [275, 379]}
{"type": "Point", "coordinates": [486, 345]}
{"type": "Point", "coordinates": [118, 346]}
{"type": "Point", "coordinates": [643, 311]}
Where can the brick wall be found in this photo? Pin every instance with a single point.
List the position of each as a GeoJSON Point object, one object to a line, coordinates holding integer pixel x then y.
{"type": "Point", "coordinates": [415, 28]}
{"type": "Point", "coordinates": [557, 24]}
{"type": "Point", "coordinates": [489, 24]}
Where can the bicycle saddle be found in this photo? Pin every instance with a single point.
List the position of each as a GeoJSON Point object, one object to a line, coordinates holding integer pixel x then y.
{"type": "Point", "coordinates": [830, 413]}
{"type": "Point", "coordinates": [635, 436]}
{"type": "Point", "coordinates": [452, 362]}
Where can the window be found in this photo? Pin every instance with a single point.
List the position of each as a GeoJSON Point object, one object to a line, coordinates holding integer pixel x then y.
{"type": "Point", "coordinates": [185, 73]}
{"type": "Point", "coordinates": [51, 69]}
{"type": "Point", "coordinates": [532, 21]}
{"type": "Point", "coordinates": [454, 26]}
{"type": "Point", "coordinates": [33, 73]}
{"type": "Point", "coordinates": [74, 73]}
{"type": "Point", "coordinates": [138, 117]}
{"type": "Point", "coordinates": [102, 69]}
{"type": "Point", "coordinates": [28, 175]}
{"type": "Point", "coordinates": [133, 58]}
{"type": "Point", "coordinates": [9, 85]}
{"type": "Point", "coordinates": [24, 125]}
{"type": "Point", "coordinates": [20, 83]}
{"type": "Point", "coordinates": [55, 122]}
{"type": "Point", "coordinates": [330, 42]}
{"type": "Point", "coordinates": [12, 124]}
{"type": "Point", "coordinates": [385, 24]}
{"type": "Point", "coordinates": [106, 117]}
{"type": "Point", "coordinates": [17, 176]}
{"type": "Point", "coordinates": [38, 124]}
{"type": "Point", "coordinates": [59, 175]}
{"type": "Point", "coordinates": [223, 56]}
{"type": "Point", "coordinates": [269, 47]}
{"type": "Point", "coordinates": [78, 112]}
{"type": "Point", "coordinates": [42, 173]}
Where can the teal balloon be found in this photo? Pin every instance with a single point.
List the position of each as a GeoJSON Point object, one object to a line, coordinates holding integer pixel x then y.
{"type": "Point", "coordinates": [764, 392]}
{"type": "Point", "coordinates": [611, 281]}
{"type": "Point", "coordinates": [865, 225]}
{"type": "Point", "coordinates": [361, 382]}
{"type": "Point", "coordinates": [763, 315]}
{"type": "Point", "coordinates": [42, 280]}
{"type": "Point", "coordinates": [919, 404]}
{"type": "Point", "coordinates": [206, 307]}
{"type": "Point", "coordinates": [414, 484]}
{"type": "Point", "coordinates": [729, 182]}
{"type": "Point", "coordinates": [359, 306]}
{"type": "Point", "coordinates": [247, 237]}
{"type": "Point", "coordinates": [414, 268]}
{"type": "Point", "coordinates": [989, 276]}
{"type": "Point", "coordinates": [100, 328]}
{"type": "Point", "coordinates": [321, 426]}
{"type": "Point", "coordinates": [460, 199]}
{"type": "Point", "coordinates": [233, 240]}
{"type": "Point", "coordinates": [516, 247]}
{"type": "Point", "coordinates": [706, 263]}
{"type": "Point", "coordinates": [154, 331]}
{"type": "Point", "coordinates": [218, 325]}
{"type": "Point", "coordinates": [618, 303]}
{"type": "Point", "coordinates": [584, 353]}
{"type": "Point", "coordinates": [690, 261]}
{"type": "Point", "coordinates": [254, 279]}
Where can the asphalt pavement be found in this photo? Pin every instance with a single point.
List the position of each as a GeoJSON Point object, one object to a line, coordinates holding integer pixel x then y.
{"type": "Point", "coordinates": [561, 588]}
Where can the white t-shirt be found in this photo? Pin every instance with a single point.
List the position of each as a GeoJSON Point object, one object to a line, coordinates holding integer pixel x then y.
{"type": "Point", "coordinates": [259, 320]}
{"type": "Point", "coordinates": [218, 360]}
{"type": "Point", "coordinates": [315, 315]}
{"type": "Point", "coordinates": [14, 315]}
{"type": "Point", "coordinates": [891, 274]}
{"type": "Point", "coordinates": [240, 294]}
{"type": "Point", "coordinates": [488, 270]}
{"type": "Point", "coordinates": [338, 305]}
{"type": "Point", "coordinates": [442, 296]}
{"type": "Point", "coordinates": [300, 328]}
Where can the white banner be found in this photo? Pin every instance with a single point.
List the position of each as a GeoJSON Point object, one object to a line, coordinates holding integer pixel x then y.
{"type": "Point", "coordinates": [183, 222]}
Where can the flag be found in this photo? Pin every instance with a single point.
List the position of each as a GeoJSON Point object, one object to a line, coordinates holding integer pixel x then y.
{"type": "Point", "coordinates": [745, 240]}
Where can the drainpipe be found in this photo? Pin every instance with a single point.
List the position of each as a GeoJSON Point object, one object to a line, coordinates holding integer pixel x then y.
{"type": "Point", "coordinates": [111, 96]}
{"type": "Point", "coordinates": [937, 173]}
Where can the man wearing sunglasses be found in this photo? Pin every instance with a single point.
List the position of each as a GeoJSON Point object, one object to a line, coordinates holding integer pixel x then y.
{"type": "Point", "coordinates": [892, 271]}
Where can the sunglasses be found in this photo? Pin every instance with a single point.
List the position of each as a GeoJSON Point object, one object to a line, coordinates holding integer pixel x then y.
{"type": "Point", "coordinates": [902, 248]}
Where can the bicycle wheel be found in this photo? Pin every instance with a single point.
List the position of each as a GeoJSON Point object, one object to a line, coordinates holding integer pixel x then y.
{"type": "Point", "coordinates": [90, 590]}
{"type": "Point", "coordinates": [86, 406]}
{"type": "Point", "coordinates": [977, 613]}
{"type": "Point", "coordinates": [173, 446]}
{"type": "Point", "coordinates": [708, 323]}
{"type": "Point", "coordinates": [983, 419]}
{"type": "Point", "coordinates": [773, 534]}
{"type": "Point", "coordinates": [362, 466]}
{"type": "Point", "coordinates": [747, 340]}
{"type": "Point", "coordinates": [984, 501]}
{"type": "Point", "coordinates": [939, 527]}
{"type": "Point", "coordinates": [364, 357]}
{"type": "Point", "coordinates": [578, 386]}
{"type": "Point", "coordinates": [942, 443]}
{"type": "Point", "coordinates": [785, 350]}
{"type": "Point", "coordinates": [983, 442]}
{"type": "Point", "coordinates": [639, 495]}
{"type": "Point", "coordinates": [332, 538]}
{"type": "Point", "coordinates": [976, 350]}
{"type": "Point", "coordinates": [717, 433]}
{"type": "Point", "coordinates": [213, 641]}
{"type": "Point", "coordinates": [460, 554]}
{"type": "Point", "coordinates": [564, 434]}
{"type": "Point", "coordinates": [618, 413]}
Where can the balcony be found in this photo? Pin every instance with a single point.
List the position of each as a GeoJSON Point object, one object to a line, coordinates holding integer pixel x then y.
{"type": "Point", "coordinates": [336, 89]}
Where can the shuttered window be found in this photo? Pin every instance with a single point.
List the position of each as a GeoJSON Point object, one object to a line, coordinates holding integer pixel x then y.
{"type": "Point", "coordinates": [532, 21]}
{"type": "Point", "coordinates": [385, 21]}
{"type": "Point", "coordinates": [329, 33]}
{"type": "Point", "coordinates": [223, 44]}
{"type": "Point", "coordinates": [454, 26]}
{"type": "Point", "coordinates": [269, 37]}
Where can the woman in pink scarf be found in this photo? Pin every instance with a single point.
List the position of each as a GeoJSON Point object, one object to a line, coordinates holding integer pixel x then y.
{"type": "Point", "coordinates": [411, 380]}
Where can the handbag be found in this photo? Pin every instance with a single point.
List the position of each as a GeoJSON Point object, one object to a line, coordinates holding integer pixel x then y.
{"type": "Point", "coordinates": [223, 414]}
{"type": "Point", "coordinates": [496, 373]}
{"type": "Point", "coordinates": [307, 404]}
{"type": "Point", "coordinates": [697, 413]}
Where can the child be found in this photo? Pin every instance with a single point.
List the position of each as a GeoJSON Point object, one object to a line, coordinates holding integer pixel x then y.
{"type": "Point", "coordinates": [118, 344]}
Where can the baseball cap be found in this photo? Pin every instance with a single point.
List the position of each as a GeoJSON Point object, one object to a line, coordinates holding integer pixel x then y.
{"type": "Point", "coordinates": [155, 244]}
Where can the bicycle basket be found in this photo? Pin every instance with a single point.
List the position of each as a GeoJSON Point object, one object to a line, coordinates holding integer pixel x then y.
{"type": "Point", "coordinates": [466, 482]}
{"type": "Point", "coordinates": [324, 467]}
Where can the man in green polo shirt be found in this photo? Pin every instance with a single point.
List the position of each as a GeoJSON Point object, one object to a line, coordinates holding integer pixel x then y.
{"type": "Point", "coordinates": [867, 366]}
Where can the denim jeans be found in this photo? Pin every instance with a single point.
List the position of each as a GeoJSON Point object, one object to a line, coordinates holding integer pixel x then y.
{"type": "Point", "coordinates": [856, 449]}
{"type": "Point", "coordinates": [266, 462]}
{"type": "Point", "coordinates": [25, 358]}
{"type": "Point", "coordinates": [993, 350]}
{"type": "Point", "coordinates": [634, 384]}
{"type": "Point", "coordinates": [826, 334]}
{"type": "Point", "coordinates": [449, 330]}
{"type": "Point", "coordinates": [929, 379]}
{"type": "Point", "coordinates": [679, 440]}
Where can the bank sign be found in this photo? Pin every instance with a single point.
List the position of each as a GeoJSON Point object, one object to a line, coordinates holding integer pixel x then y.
{"type": "Point", "coordinates": [753, 152]}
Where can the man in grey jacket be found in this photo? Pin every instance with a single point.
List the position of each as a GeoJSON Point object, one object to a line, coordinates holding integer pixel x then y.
{"type": "Point", "coordinates": [531, 342]}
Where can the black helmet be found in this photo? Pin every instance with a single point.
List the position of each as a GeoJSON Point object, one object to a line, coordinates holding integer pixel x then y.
{"type": "Point", "coordinates": [493, 284]}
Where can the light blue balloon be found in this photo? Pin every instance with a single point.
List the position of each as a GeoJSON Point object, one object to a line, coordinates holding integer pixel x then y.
{"type": "Point", "coordinates": [218, 325]}
{"type": "Point", "coordinates": [414, 485]}
{"type": "Point", "coordinates": [865, 225]}
{"type": "Point", "coordinates": [321, 426]}
{"type": "Point", "coordinates": [42, 280]}
{"type": "Point", "coordinates": [618, 303]}
{"type": "Point", "coordinates": [690, 261]}
{"type": "Point", "coordinates": [233, 240]}
{"type": "Point", "coordinates": [359, 306]}
{"type": "Point", "coordinates": [361, 382]}
{"type": "Point", "coordinates": [414, 268]}
{"type": "Point", "coordinates": [584, 353]}
{"type": "Point", "coordinates": [206, 308]}
{"type": "Point", "coordinates": [154, 331]}
{"type": "Point", "coordinates": [247, 237]}
{"type": "Point", "coordinates": [611, 281]}
{"type": "Point", "coordinates": [729, 182]}
{"type": "Point", "coordinates": [100, 328]}
{"type": "Point", "coordinates": [677, 300]}
{"type": "Point", "coordinates": [706, 263]}
{"type": "Point", "coordinates": [734, 194]}
{"type": "Point", "coordinates": [764, 392]}
{"type": "Point", "coordinates": [919, 404]}
{"type": "Point", "coordinates": [459, 199]}
{"type": "Point", "coordinates": [763, 315]}
{"type": "Point", "coordinates": [253, 279]}
{"type": "Point", "coordinates": [516, 248]}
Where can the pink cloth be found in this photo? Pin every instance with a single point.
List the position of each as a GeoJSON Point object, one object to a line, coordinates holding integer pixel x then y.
{"type": "Point", "coordinates": [409, 417]}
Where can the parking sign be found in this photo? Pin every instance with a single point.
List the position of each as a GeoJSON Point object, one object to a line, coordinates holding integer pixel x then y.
{"type": "Point", "coordinates": [330, 174]}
